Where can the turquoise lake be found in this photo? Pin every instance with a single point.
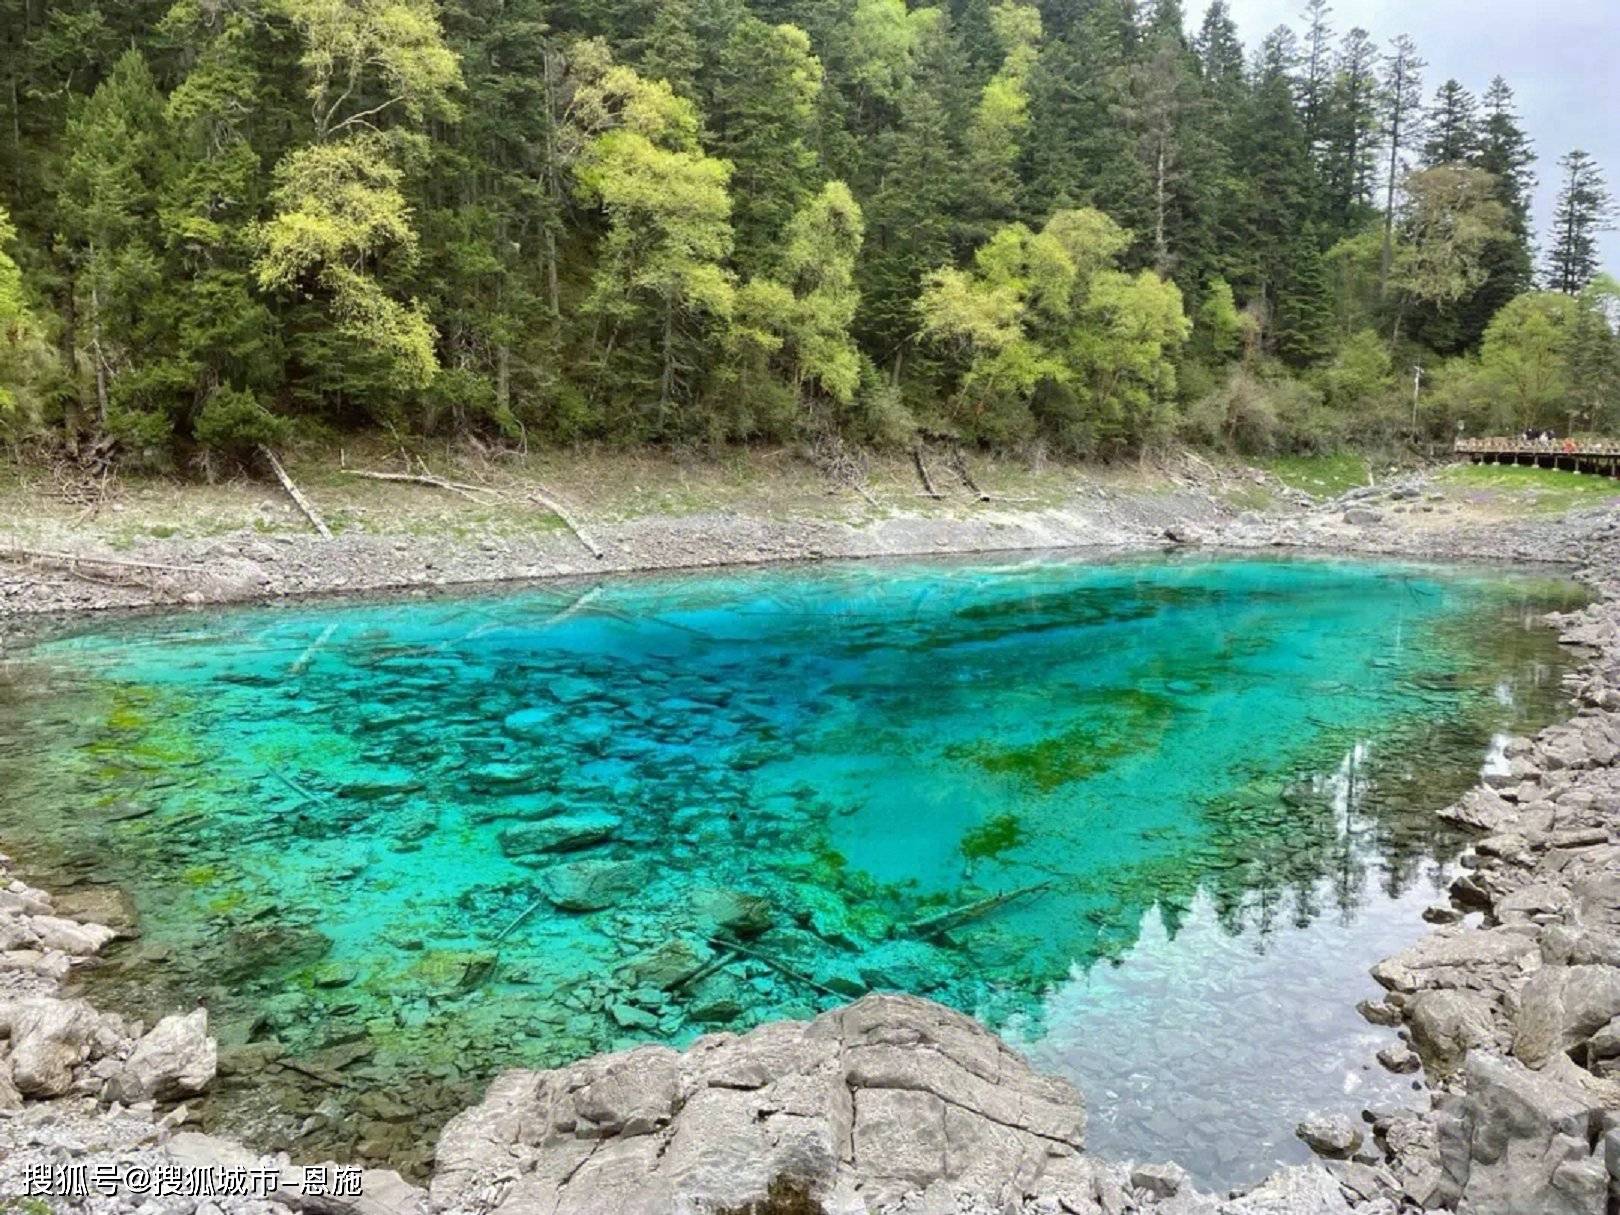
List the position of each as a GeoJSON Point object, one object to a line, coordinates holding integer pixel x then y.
{"type": "Point", "coordinates": [415, 841]}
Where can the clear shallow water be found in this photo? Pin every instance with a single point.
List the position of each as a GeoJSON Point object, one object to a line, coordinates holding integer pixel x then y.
{"type": "Point", "coordinates": [1213, 779]}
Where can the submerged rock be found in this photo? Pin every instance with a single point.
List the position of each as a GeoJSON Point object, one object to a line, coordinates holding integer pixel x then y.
{"type": "Point", "coordinates": [531, 724]}
{"type": "Point", "coordinates": [593, 884]}
{"type": "Point", "coordinates": [734, 912]}
{"type": "Point", "coordinates": [564, 833]}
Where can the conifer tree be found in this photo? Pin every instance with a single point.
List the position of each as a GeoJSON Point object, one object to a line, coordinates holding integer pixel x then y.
{"type": "Point", "coordinates": [1585, 208]}
{"type": "Point", "coordinates": [1402, 106]}
{"type": "Point", "coordinates": [1001, 118]}
{"type": "Point", "coordinates": [1317, 67]}
{"type": "Point", "coordinates": [108, 208]}
{"type": "Point", "coordinates": [1454, 136]}
{"type": "Point", "coordinates": [762, 118]}
{"type": "Point", "coordinates": [1080, 152]}
{"type": "Point", "coordinates": [1506, 154]}
{"type": "Point", "coordinates": [1351, 130]}
{"type": "Point", "coordinates": [911, 221]}
{"type": "Point", "coordinates": [1220, 53]}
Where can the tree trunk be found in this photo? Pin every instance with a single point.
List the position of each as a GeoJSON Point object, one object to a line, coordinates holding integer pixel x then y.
{"type": "Point", "coordinates": [551, 274]}
{"type": "Point", "coordinates": [1387, 261]}
{"type": "Point", "coordinates": [1160, 246]}
{"type": "Point", "coordinates": [667, 388]}
{"type": "Point", "coordinates": [96, 353]}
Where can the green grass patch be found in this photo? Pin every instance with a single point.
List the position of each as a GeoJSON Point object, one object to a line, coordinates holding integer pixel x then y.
{"type": "Point", "coordinates": [1543, 489]}
{"type": "Point", "coordinates": [1320, 476]}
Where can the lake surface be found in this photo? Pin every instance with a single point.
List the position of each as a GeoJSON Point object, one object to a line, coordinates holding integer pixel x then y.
{"type": "Point", "coordinates": [417, 841]}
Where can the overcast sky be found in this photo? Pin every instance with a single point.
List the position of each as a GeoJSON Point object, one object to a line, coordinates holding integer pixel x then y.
{"type": "Point", "coordinates": [1560, 56]}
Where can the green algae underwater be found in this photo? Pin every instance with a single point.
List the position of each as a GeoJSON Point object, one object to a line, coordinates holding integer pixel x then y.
{"type": "Point", "coordinates": [1150, 818]}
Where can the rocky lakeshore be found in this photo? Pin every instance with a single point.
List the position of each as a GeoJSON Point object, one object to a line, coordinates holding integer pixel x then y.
{"type": "Point", "coordinates": [1510, 1008]}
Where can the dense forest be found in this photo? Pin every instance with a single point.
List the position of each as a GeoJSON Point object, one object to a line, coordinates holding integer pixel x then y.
{"type": "Point", "coordinates": [1076, 226]}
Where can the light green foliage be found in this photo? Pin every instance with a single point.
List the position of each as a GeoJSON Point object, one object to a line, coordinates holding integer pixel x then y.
{"type": "Point", "coordinates": [806, 317]}
{"type": "Point", "coordinates": [364, 58]}
{"type": "Point", "coordinates": [24, 355]}
{"type": "Point", "coordinates": [883, 37]}
{"type": "Point", "coordinates": [1361, 373]}
{"type": "Point", "coordinates": [1525, 359]}
{"type": "Point", "coordinates": [1220, 331]}
{"type": "Point", "coordinates": [340, 209]}
{"type": "Point", "coordinates": [1046, 327]}
{"type": "Point", "coordinates": [1594, 355]}
{"type": "Point", "coordinates": [1130, 328]}
{"type": "Point", "coordinates": [1452, 217]}
{"type": "Point", "coordinates": [668, 218]}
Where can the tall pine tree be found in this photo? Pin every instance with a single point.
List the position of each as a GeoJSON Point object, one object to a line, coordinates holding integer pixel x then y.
{"type": "Point", "coordinates": [1585, 208]}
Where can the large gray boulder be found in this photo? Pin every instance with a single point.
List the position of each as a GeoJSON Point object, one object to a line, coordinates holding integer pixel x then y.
{"type": "Point", "coordinates": [71, 937]}
{"type": "Point", "coordinates": [1305, 1190]}
{"type": "Point", "coordinates": [1519, 1142]}
{"type": "Point", "coordinates": [885, 1098]}
{"type": "Point", "coordinates": [1561, 1007]}
{"type": "Point", "coordinates": [50, 1038]}
{"type": "Point", "coordinates": [175, 1059]}
{"type": "Point", "coordinates": [1446, 1025]}
{"type": "Point", "coordinates": [1482, 809]}
{"type": "Point", "coordinates": [1461, 957]}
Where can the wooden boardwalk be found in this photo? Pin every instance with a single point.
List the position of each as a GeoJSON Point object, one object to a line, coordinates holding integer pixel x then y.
{"type": "Point", "coordinates": [1599, 456]}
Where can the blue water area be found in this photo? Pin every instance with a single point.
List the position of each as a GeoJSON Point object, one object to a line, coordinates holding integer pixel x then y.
{"type": "Point", "coordinates": [1151, 818]}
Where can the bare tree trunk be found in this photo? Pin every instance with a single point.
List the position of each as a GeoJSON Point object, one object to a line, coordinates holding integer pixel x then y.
{"type": "Point", "coordinates": [553, 189]}
{"type": "Point", "coordinates": [666, 389]}
{"type": "Point", "coordinates": [293, 492]}
{"type": "Point", "coordinates": [1161, 248]}
{"type": "Point", "coordinates": [552, 289]}
{"type": "Point", "coordinates": [1387, 260]}
{"type": "Point", "coordinates": [96, 353]}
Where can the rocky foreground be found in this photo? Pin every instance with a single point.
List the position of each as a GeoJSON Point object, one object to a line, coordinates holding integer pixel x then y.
{"type": "Point", "coordinates": [1510, 1008]}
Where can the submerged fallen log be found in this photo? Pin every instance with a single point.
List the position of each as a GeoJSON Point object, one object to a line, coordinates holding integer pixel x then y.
{"type": "Point", "coordinates": [781, 968]}
{"type": "Point", "coordinates": [522, 915]}
{"type": "Point", "coordinates": [313, 799]}
{"type": "Point", "coordinates": [296, 494]}
{"type": "Point", "coordinates": [932, 926]}
{"type": "Point", "coordinates": [692, 977]}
